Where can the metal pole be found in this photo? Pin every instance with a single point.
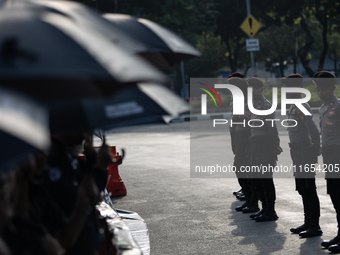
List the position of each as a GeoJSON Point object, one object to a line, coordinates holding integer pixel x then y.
{"type": "Point", "coordinates": [252, 63]}
{"type": "Point", "coordinates": [184, 88]}
{"type": "Point", "coordinates": [251, 53]}
{"type": "Point", "coordinates": [248, 7]}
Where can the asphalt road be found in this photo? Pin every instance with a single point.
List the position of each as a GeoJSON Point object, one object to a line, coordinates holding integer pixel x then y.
{"type": "Point", "coordinates": [196, 215]}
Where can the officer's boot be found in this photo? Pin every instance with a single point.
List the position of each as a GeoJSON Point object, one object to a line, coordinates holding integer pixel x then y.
{"type": "Point", "coordinates": [269, 214]}
{"type": "Point", "coordinates": [334, 248]}
{"type": "Point", "coordinates": [332, 242]}
{"type": "Point", "coordinates": [251, 208]}
{"type": "Point", "coordinates": [313, 230]}
{"type": "Point", "coordinates": [301, 228]}
{"type": "Point", "coordinates": [259, 213]}
{"type": "Point", "coordinates": [242, 183]}
{"type": "Point", "coordinates": [306, 224]}
{"type": "Point", "coordinates": [314, 213]}
{"type": "Point", "coordinates": [253, 203]}
{"type": "Point", "coordinates": [235, 193]}
{"type": "Point", "coordinates": [241, 207]}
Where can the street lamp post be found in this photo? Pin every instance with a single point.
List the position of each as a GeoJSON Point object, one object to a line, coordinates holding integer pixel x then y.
{"type": "Point", "coordinates": [251, 52]}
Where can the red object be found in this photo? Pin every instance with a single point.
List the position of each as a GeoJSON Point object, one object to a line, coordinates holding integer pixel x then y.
{"type": "Point", "coordinates": [107, 248]}
{"type": "Point", "coordinates": [115, 184]}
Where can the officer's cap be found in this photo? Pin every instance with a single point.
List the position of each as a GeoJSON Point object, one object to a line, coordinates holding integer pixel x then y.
{"type": "Point", "coordinates": [255, 82]}
{"type": "Point", "coordinates": [324, 78]}
{"type": "Point", "coordinates": [293, 80]}
{"type": "Point", "coordinates": [236, 74]}
{"type": "Point", "coordinates": [239, 82]}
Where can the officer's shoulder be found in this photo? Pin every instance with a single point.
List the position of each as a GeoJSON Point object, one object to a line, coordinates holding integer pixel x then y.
{"type": "Point", "coordinates": [307, 106]}
{"type": "Point", "coordinates": [337, 101]}
{"type": "Point", "coordinates": [266, 104]}
{"type": "Point", "coordinates": [322, 106]}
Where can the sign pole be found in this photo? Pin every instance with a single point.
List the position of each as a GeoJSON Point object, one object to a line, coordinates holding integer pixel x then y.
{"type": "Point", "coordinates": [251, 53]}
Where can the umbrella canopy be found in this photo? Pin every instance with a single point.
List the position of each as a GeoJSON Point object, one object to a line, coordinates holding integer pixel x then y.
{"type": "Point", "coordinates": [88, 20]}
{"type": "Point", "coordinates": [43, 52]}
{"type": "Point", "coordinates": [153, 42]}
{"type": "Point", "coordinates": [134, 105]}
{"type": "Point", "coordinates": [164, 46]}
{"type": "Point", "coordinates": [23, 128]}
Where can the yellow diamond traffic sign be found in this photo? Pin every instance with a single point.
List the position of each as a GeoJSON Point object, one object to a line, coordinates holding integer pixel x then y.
{"type": "Point", "coordinates": [250, 26]}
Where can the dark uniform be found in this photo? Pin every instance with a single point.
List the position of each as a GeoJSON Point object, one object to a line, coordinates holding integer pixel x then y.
{"type": "Point", "coordinates": [304, 146]}
{"type": "Point", "coordinates": [27, 235]}
{"type": "Point", "coordinates": [242, 158]}
{"type": "Point", "coordinates": [239, 194]}
{"type": "Point", "coordinates": [65, 174]}
{"type": "Point", "coordinates": [330, 133]}
{"type": "Point", "coordinates": [264, 145]}
{"type": "Point", "coordinates": [304, 149]}
{"type": "Point", "coordinates": [241, 147]}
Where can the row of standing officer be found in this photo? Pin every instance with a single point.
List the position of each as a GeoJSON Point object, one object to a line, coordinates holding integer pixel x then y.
{"type": "Point", "coordinates": [255, 146]}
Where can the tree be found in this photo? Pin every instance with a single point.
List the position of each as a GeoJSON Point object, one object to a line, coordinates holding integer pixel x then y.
{"type": "Point", "coordinates": [214, 57]}
{"type": "Point", "coordinates": [277, 46]}
{"type": "Point", "coordinates": [334, 50]}
{"type": "Point", "coordinates": [326, 12]}
{"type": "Point", "coordinates": [231, 14]}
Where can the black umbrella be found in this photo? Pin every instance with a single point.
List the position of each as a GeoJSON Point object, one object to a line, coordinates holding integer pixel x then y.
{"type": "Point", "coordinates": [155, 43]}
{"type": "Point", "coordinates": [88, 20]}
{"type": "Point", "coordinates": [164, 48]}
{"type": "Point", "coordinates": [23, 128]}
{"type": "Point", "coordinates": [47, 55]}
{"type": "Point", "coordinates": [134, 105]}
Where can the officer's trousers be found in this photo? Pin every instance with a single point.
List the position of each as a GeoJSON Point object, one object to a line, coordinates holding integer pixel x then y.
{"type": "Point", "coordinates": [333, 191]}
{"type": "Point", "coordinates": [305, 181]}
{"type": "Point", "coordinates": [331, 157]}
{"type": "Point", "coordinates": [263, 153]}
{"type": "Point", "coordinates": [310, 199]}
{"type": "Point", "coordinates": [242, 158]}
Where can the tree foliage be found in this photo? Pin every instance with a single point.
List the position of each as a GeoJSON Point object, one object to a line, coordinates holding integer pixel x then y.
{"type": "Point", "coordinates": [213, 26]}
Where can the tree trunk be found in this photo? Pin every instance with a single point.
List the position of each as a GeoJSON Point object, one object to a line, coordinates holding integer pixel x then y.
{"type": "Point", "coordinates": [233, 53]}
{"type": "Point", "coordinates": [230, 57]}
{"type": "Point", "coordinates": [246, 71]}
{"type": "Point", "coordinates": [324, 22]}
{"type": "Point", "coordinates": [237, 51]}
{"type": "Point", "coordinates": [305, 49]}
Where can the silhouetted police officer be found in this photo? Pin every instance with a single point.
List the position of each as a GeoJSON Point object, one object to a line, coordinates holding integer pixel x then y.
{"type": "Point", "coordinates": [330, 133]}
{"type": "Point", "coordinates": [304, 149]}
{"type": "Point", "coordinates": [67, 172]}
{"type": "Point", "coordinates": [240, 133]}
{"type": "Point", "coordinates": [239, 194]}
{"type": "Point", "coordinates": [265, 146]}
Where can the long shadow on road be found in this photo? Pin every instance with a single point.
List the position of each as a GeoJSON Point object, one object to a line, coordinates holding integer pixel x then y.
{"type": "Point", "coordinates": [257, 237]}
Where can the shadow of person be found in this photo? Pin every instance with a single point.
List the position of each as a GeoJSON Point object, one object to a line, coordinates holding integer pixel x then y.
{"type": "Point", "coordinates": [312, 245]}
{"type": "Point", "coordinates": [261, 237]}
